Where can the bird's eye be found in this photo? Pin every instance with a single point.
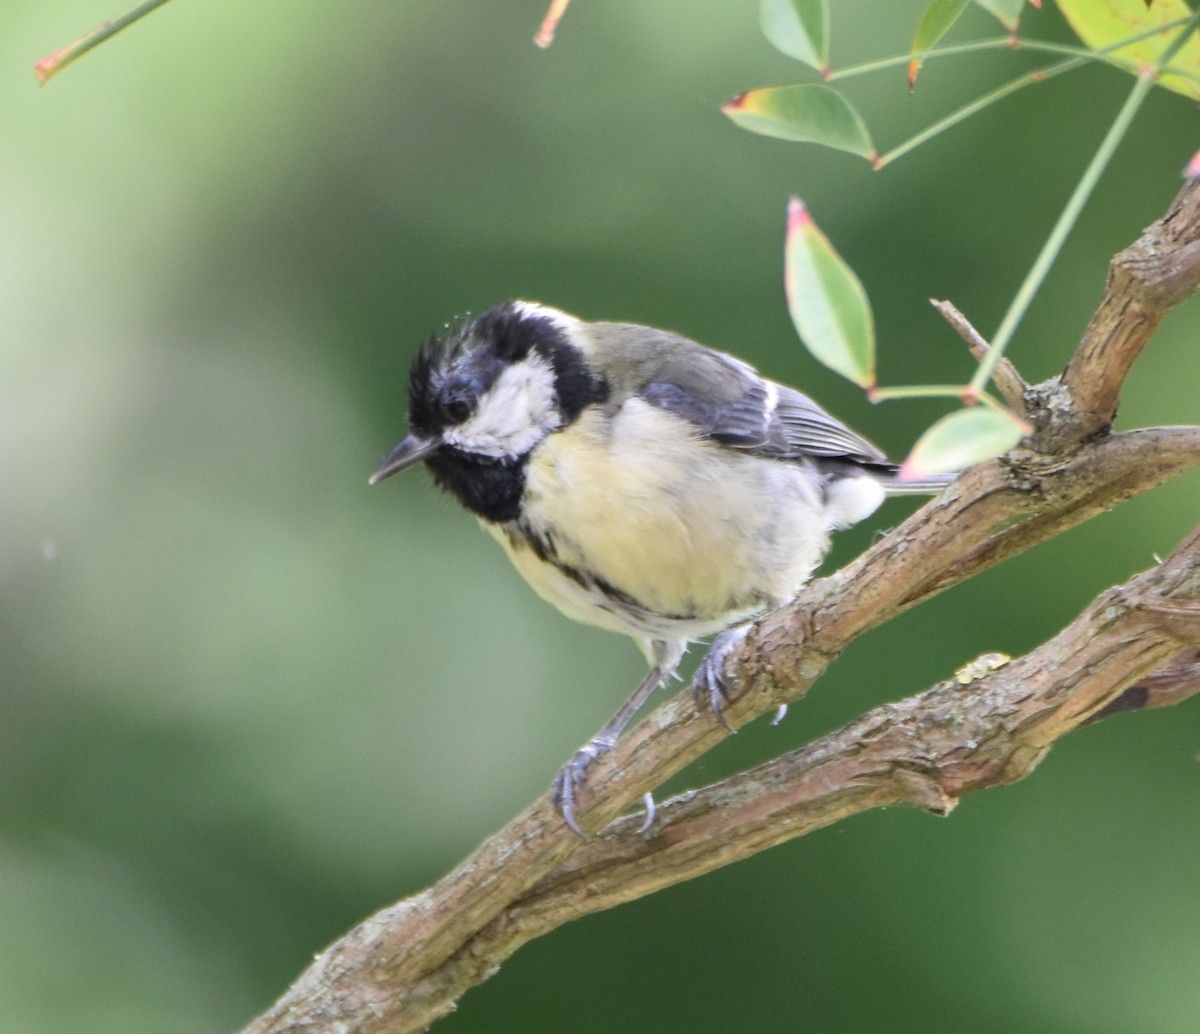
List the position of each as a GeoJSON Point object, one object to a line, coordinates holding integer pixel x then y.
{"type": "Point", "coordinates": [458, 396]}
{"type": "Point", "coordinates": [456, 408]}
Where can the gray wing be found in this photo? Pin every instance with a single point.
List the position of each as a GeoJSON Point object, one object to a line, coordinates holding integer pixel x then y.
{"type": "Point", "coordinates": [804, 425]}
{"type": "Point", "coordinates": [731, 403]}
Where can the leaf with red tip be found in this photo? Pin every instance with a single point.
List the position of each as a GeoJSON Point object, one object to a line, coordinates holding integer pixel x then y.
{"type": "Point", "coordinates": [800, 28]}
{"type": "Point", "coordinates": [809, 113]}
{"type": "Point", "coordinates": [1101, 23]}
{"type": "Point", "coordinates": [826, 300]}
{"type": "Point", "coordinates": [1007, 11]}
{"type": "Point", "coordinates": [961, 439]}
{"type": "Point", "coordinates": [935, 22]}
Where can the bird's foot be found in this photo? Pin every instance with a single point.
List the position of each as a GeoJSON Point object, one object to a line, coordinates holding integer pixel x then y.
{"type": "Point", "coordinates": [571, 778]}
{"type": "Point", "coordinates": [709, 684]}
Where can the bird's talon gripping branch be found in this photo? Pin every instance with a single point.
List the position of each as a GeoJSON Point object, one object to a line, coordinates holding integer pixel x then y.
{"type": "Point", "coordinates": [710, 684]}
{"type": "Point", "coordinates": [571, 778]}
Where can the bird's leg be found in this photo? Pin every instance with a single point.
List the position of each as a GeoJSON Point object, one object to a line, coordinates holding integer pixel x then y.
{"type": "Point", "coordinates": [568, 781]}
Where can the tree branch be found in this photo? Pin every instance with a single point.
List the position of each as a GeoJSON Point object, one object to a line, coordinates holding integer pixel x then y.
{"type": "Point", "coordinates": [925, 751]}
{"type": "Point", "coordinates": [405, 966]}
{"type": "Point", "coordinates": [1176, 680]}
{"type": "Point", "coordinates": [1145, 281]}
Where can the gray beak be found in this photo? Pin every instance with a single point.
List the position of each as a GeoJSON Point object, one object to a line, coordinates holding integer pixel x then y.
{"type": "Point", "coordinates": [411, 450]}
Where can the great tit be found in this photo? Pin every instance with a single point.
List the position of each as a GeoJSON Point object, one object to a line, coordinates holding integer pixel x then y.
{"type": "Point", "coordinates": [639, 481]}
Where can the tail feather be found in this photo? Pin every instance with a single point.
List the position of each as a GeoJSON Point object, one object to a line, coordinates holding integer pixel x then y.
{"type": "Point", "coordinates": [884, 474]}
{"type": "Point", "coordinates": [931, 484]}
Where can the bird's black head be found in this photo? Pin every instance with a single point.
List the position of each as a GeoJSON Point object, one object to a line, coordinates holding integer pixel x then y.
{"type": "Point", "coordinates": [483, 399]}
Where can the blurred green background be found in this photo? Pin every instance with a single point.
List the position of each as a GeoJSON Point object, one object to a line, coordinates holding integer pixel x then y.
{"type": "Point", "coordinates": [248, 700]}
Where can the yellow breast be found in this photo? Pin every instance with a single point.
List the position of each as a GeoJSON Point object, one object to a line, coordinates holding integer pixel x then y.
{"type": "Point", "coordinates": [698, 535]}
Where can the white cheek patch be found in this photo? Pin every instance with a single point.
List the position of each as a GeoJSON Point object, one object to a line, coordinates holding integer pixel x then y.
{"type": "Point", "coordinates": [516, 413]}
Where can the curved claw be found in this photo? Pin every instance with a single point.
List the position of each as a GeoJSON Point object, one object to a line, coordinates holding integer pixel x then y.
{"type": "Point", "coordinates": [709, 686]}
{"type": "Point", "coordinates": [709, 683]}
{"type": "Point", "coordinates": [572, 776]}
{"type": "Point", "coordinates": [651, 810]}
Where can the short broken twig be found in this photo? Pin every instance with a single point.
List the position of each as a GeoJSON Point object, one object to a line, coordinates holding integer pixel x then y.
{"type": "Point", "coordinates": [1009, 382]}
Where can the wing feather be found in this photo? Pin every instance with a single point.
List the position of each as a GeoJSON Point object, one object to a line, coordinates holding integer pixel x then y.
{"type": "Point", "coordinates": [729, 402]}
{"type": "Point", "coordinates": [806, 427]}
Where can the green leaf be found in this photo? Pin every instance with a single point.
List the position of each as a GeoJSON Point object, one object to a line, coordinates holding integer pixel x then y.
{"type": "Point", "coordinates": [826, 300]}
{"type": "Point", "coordinates": [961, 439]}
{"type": "Point", "coordinates": [809, 113]}
{"type": "Point", "coordinates": [800, 28]}
{"type": "Point", "coordinates": [1008, 11]}
{"type": "Point", "coordinates": [1100, 23]}
{"type": "Point", "coordinates": [935, 22]}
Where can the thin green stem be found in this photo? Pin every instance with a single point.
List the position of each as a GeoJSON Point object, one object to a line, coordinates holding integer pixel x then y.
{"type": "Point", "coordinates": [879, 65]}
{"type": "Point", "coordinates": [1106, 55]}
{"type": "Point", "coordinates": [56, 62]}
{"type": "Point", "coordinates": [1020, 82]}
{"type": "Point", "coordinates": [1070, 213]}
{"type": "Point", "coordinates": [918, 391]}
{"type": "Point", "coordinates": [967, 110]}
{"type": "Point", "coordinates": [994, 403]}
{"type": "Point", "coordinates": [1006, 43]}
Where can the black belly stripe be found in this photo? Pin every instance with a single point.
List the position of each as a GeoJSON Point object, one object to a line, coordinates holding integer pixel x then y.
{"type": "Point", "coordinates": [542, 545]}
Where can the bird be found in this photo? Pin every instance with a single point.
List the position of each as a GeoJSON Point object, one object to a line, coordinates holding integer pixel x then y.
{"type": "Point", "coordinates": [639, 481]}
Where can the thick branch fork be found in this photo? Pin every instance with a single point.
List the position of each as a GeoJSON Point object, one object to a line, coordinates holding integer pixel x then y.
{"type": "Point", "coordinates": [404, 967]}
